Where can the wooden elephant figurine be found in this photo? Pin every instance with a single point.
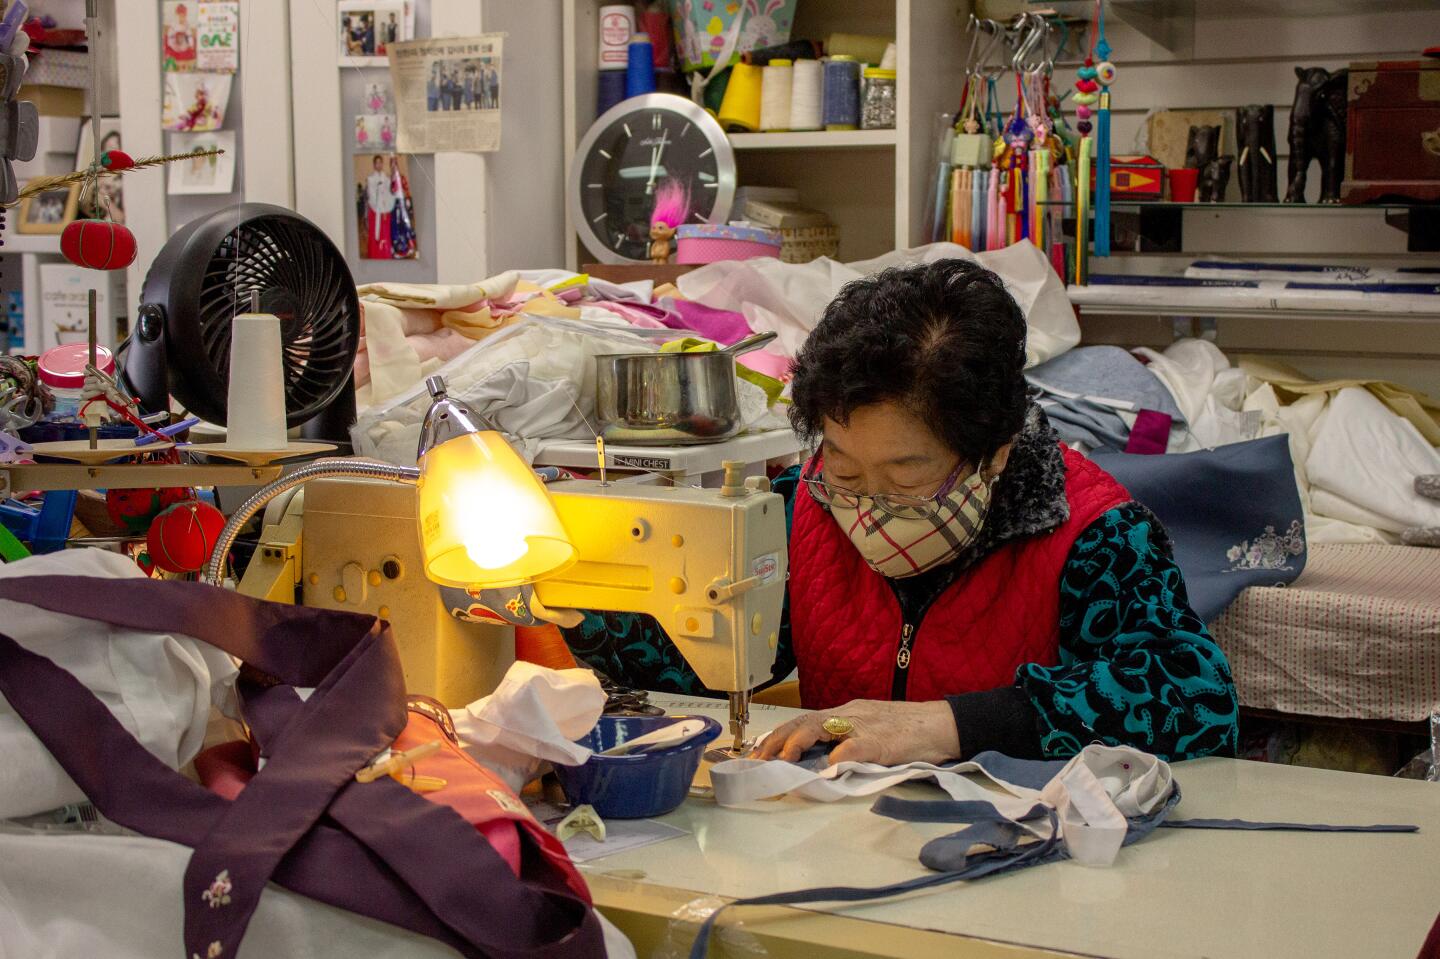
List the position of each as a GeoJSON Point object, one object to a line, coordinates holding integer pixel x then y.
{"type": "Point", "coordinates": [1214, 178]}
{"type": "Point", "coordinates": [1255, 129]}
{"type": "Point", "coordinates": [1317, 131]}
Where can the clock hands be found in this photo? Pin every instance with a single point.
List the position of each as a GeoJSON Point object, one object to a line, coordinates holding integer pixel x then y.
{"type": "Point", "coordinates": [656, 152]}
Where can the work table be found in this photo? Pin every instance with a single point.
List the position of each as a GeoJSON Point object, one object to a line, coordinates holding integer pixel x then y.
{"type": "Point", "coordinates": [1178, 894]}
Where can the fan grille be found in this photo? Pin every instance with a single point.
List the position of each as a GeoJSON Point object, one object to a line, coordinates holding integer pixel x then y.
{"type": "Point", "coordinates": [302, 283]}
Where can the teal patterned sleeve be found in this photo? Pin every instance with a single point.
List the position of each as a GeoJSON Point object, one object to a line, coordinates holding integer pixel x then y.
{"type": "Point", "coordinates": [1137, 665]}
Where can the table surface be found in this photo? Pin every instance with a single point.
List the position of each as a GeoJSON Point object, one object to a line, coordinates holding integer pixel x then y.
{"type": "Point", "coordinates": [1178, 893]}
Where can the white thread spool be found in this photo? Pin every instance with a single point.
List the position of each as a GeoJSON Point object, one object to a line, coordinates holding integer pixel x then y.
{"type": "Point", "coordinates": [255, 401]}
{"type": "Point", "coordinates": [887, 62]}
{"type": "Point", "coordinates": [776, 82]}
{"type": "Point", "coordinates": [617, 23]}
{"type": "Point", "coordinates": [805, 82]}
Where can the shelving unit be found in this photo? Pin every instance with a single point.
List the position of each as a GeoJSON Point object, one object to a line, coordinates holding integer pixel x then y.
{"type": "Point", "coordinates": [872, 183]}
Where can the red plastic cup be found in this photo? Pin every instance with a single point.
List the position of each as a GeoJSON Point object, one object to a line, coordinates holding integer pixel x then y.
{"type": "Point", "coordinates": [1183, 181]}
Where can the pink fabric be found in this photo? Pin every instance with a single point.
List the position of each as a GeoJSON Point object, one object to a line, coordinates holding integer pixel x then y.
{"type": "Point", "coordinates": [723, 326]}
{"type": "Point", "coordinates": [1150, 434]}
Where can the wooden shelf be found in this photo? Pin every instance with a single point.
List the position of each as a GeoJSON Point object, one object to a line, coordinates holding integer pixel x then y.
{"type": "Point", "coordinates": [815, 139]}
{"type": "Point", "coordinates": [31, 243]}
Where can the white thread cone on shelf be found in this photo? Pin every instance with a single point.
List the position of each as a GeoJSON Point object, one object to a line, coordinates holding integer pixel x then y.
{"type": "Point", "coordinates": [255, 403]}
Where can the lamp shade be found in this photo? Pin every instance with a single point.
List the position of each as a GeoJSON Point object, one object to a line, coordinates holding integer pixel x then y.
{"type": "Point", "coordinates": [485, 519]}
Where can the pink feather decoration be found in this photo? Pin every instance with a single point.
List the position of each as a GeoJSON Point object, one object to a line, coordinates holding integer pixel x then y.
{"type": "Point", "coordinates": [672, 204]}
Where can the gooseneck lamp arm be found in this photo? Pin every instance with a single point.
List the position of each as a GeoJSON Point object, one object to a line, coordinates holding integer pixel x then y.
{"type": "Point", "coordinates": [320, 469]}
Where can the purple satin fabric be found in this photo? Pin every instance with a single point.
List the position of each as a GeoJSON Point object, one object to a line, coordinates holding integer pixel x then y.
{"type": "Point", "coordinates": [377, 849]}
{"type": "Point", "coordinates": [1150, 434]}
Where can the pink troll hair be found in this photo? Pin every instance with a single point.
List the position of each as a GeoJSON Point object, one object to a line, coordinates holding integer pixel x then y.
{"type": "Point", "coordinates": [672, 204]}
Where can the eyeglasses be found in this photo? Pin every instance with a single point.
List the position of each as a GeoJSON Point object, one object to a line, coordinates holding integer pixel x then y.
{"type": "Point", "coordinates": [898, 505]}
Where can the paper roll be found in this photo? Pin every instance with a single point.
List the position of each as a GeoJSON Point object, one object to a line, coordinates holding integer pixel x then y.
{"type": "Point", "coordinates": [617, 23]}
{"type": "Point", "coordinates": [775, 92]}
{"type": "Point", "coordinates": [255, 402]}
{"type": "Point", "coordinates": [805, 82]}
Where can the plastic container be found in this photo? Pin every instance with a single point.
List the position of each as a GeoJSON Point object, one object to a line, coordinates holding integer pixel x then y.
{"type": "Point", "coordinates": [713, 242]}
{"type": "Point", "coordinates": [62, 368]}
{"type": "Point", "coordinates": [1183, 181]}
{"type": "Point", "coordinates": [636, 786]}
{"type": "Point", "coordinates": [877, 99]}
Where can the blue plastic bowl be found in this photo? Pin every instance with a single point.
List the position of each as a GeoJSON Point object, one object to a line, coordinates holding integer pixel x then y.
{"type": "Point", "coordinates": [639, 785]}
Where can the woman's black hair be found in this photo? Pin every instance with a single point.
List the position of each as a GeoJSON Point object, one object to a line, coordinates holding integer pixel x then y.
{"type": "Point", "coordinates": [945, 340]}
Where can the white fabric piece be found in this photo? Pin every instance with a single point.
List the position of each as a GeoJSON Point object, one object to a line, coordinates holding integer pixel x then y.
{"type": "Point", "coordinates": [788, 298]}
{"type": "Point", "coordinates": [1208, 390]}
{"type": "Point", "coordinates": [1092, 794]}
{"type": "Point", "coordinates": [1334, 508]}
{"type": "Point", "coordinates": [557, 351]}
{"type": "Point", "coordinates": [1369, 457]}
{"type": "Point", "coordinates": [638, 291]}
{"type": "Point", "coordinates": [534, 716]}
{"type": "Point", "coordinates": [159, 686]}
{"type": "Point", "coordinates": [76, 896]}
{"type": "Point", "coordinates": [1297, 422]}
{"type": "Point", "coordinates": [440, 296]}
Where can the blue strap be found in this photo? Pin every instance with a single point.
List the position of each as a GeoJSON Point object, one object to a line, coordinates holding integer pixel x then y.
{"type": "Point", "coordinates": [1281, 826]}
{"type": "Point", "coordinates": [1008, 854]}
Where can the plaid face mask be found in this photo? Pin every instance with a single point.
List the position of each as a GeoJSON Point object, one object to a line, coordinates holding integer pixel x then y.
{"type": "Point", "coordinates": [896, 547]}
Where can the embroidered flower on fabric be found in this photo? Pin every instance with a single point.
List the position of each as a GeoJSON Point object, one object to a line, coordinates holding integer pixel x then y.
{"type": "Point", "coordinates": [218, 895]}
{"type": "Point", "coordinates": [1269, 550]}
{"type": "Point", "coordinates": [213, 952]}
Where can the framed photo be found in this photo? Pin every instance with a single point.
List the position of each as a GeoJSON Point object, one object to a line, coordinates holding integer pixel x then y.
{"type": "Point", "coordinates": [368, 27]}
{"type": "Point", "coordinates": [203, 174]}
{"type": "Point", "coordinates": [384, 211]}
{"type": "Point", "coordinates": [49, 212]}
{"type": "Point", "coordinates": [110, 190]}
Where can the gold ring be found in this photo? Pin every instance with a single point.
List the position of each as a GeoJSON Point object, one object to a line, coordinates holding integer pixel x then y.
{"type": "Point", "coordinates": [838, 726]}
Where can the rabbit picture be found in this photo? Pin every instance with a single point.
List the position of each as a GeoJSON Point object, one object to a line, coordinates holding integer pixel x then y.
{"type": "Point", "coordinates": [760, 29]}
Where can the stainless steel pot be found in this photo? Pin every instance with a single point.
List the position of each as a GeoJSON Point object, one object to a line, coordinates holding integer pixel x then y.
{"type": "Point", "coordinates": [670, 399]}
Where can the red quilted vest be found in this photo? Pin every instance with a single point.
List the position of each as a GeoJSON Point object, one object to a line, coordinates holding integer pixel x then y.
{"type": "Point", "coordinates": [848, 631]}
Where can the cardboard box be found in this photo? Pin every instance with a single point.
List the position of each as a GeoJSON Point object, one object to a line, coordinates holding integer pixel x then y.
{"type": "Point", "coordinates": [783, 216]}
{"type": "Point", "coordinates": [64, 304]}
{"type": "Point", "coordinates": [803, 244]}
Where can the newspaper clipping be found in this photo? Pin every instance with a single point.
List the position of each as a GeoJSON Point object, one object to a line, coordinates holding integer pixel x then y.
{"type": "Point", "coordinates": [447, 94]}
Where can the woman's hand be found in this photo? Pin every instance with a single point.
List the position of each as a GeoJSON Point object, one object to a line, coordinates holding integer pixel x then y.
{"type": "Point", "coordinates": [888, 733]}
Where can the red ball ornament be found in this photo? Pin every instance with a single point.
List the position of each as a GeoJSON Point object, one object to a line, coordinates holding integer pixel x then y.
{"type": "Point", "coordinates": [117, 160]}
{"type": "Point", "coordinates": [182, 537]}
{"type": "Point", "coordinates": [98, 244]}
{"type": "Point", "coordinates": [135, 509]}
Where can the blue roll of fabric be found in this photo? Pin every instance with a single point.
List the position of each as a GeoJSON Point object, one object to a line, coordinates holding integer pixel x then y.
{"type": "Point", "coordinates": [610, 91]}
{"type": "Point", "coordinates": [1233, 514]}
{"type": "Point", "coordinates": [640, 68]}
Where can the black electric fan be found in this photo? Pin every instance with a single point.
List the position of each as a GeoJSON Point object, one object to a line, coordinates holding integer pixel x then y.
{"type": "Point", "coordinates": [206, 274]}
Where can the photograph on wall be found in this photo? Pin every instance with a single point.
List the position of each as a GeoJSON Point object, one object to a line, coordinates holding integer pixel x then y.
{"type": "Point", "coordinates": [377, 97]}
{"type": "Point", "coordinates": [202, 174]}
{"type": "Point", "coordinates": [384, 211]}
{"type": "Point", "coordinates": [368, 28]}
{"type": "Point", "coordinates": [110, 191]}
{"type": "Point", "coordinates": [375, 131]}
{"type": "Point", "coordinates": [447, 93]}
{"type": "Point", "coordinates": [217, 36]}
{"type": "Point", "coordinates": [177, 38]}
{"type": "Point", "coordinates": [49, 212]}
{"type": "Point", "coordinates": [195, 102]}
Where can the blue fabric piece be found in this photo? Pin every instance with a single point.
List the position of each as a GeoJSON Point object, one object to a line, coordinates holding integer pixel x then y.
{"type": "Point", "coordinates": [1028, 773]}
{"type": "Point", "coordinates": [1233, 514]}
{"type": "Point", "coordinates": [1137, 666]}
{"type": "Point", "coordinates": [1099, 371]}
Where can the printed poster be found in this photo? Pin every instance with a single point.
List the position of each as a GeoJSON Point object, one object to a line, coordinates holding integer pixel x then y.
{"type": "Point", "coordinates": [447, 93]}
{"type": "Point", "coordinates": [218, 37]}
{"type": "Point", "coordinates": [195, 102]}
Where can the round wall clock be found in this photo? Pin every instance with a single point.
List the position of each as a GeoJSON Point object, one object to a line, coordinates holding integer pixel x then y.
{"type": "Point", "coordinates": [625, 157]}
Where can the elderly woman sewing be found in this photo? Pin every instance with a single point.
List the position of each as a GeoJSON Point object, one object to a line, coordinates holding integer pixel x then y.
{"type": "Point", "coordinates": [959, 581]}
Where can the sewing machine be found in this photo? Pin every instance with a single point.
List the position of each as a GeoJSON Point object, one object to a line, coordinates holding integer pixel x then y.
{"type": "Point", "coordinates": [708, 564]}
